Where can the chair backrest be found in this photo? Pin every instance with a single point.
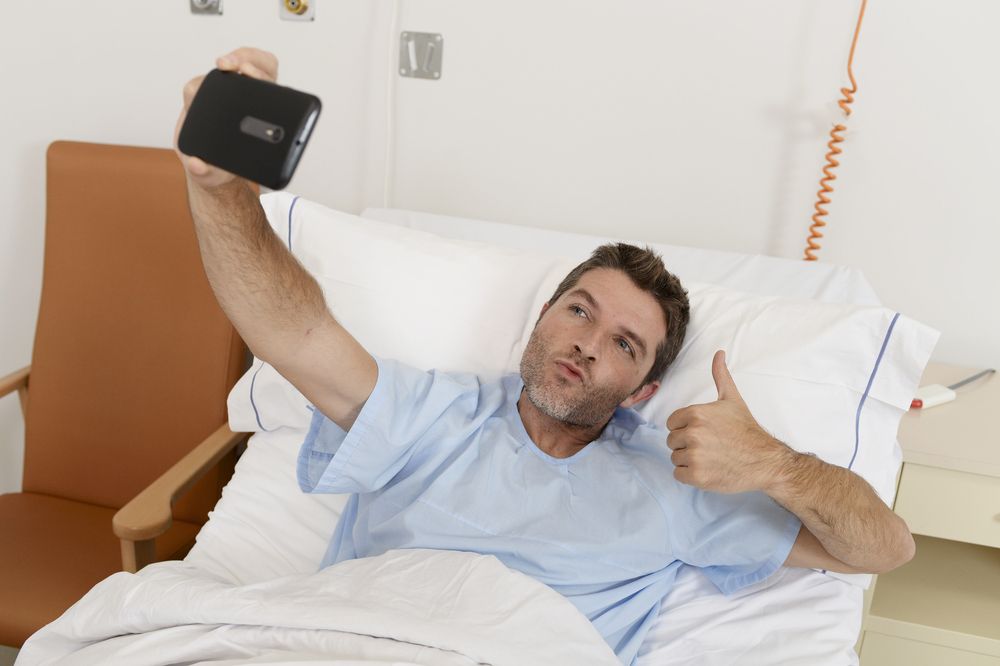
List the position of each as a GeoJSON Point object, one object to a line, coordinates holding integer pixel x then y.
{"type": "Point", "coordinates": [133, 357]}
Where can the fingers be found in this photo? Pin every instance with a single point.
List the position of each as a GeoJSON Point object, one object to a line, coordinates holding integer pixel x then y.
{"type": "Point", "coordinates": [684, 475]}
{"type": "Point", "coordinates": [205, 175]}
{"type": "Point", "coordinates": [254, 72]}
{"type": "Point", "coordinates": [247, 61]}
{"type": "Point", "coordinates": [677, 440]}
{"type": "Point", "coordinates": [197, 167]}
{"type": "Point", "coordinates": [696, 414]}
{"type": "Point", "coordinates": [679, 419]}
{"type": "Point", "coordinates": [191, 89]}
{"type": "Point", "coordinates": [251, 62]}
{"type": "Point", "coordinates": [247, 69]}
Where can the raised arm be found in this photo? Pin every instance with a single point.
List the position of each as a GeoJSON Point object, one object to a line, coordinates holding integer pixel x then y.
{"type": "Point", "coordinates": [277, 307]}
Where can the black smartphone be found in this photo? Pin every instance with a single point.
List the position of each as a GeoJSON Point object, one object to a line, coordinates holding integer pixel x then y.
{"type": "Point", "coordinates": [252, 128]}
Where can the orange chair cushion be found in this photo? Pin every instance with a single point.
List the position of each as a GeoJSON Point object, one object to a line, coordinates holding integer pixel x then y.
{"type": "Point", "coordinates": [133, 357]}
{"type": "Point", "coordinates": [45, 571]}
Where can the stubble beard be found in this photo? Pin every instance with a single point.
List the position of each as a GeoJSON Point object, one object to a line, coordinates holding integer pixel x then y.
{"type": "Point", "coordinates": [585, 407]}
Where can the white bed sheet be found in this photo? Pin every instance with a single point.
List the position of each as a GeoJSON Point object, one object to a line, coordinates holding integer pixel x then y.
{"type": "Point", "coordinates": [430, 607]}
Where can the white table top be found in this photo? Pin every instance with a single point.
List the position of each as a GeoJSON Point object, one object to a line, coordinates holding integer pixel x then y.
{"type": "Point", "coordinates": [962, 435]}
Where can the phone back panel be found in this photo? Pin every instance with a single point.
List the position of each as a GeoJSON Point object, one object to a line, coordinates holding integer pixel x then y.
{"type": "Point", "coordinates": [253, 128]}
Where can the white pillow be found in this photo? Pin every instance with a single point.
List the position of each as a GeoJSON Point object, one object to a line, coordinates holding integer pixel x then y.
{"type": "Point", "coordinates": [264, 527]}
{"type": "Point", "coordinates": [409, 295]}
{"type": "Point", "coordinates": [803, 368]}
{"type": "Point", "coordinates": [756, 273]}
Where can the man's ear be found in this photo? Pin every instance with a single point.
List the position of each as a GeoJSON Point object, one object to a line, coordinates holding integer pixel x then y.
{"type": "Point", "coordinates": [644, 392]}
{"type": "Point", "coordinates": [545, 306]}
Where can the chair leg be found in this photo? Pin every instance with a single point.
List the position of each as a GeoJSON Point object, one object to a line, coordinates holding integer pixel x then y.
{"type": "Point", "coordinates": [137, 554]}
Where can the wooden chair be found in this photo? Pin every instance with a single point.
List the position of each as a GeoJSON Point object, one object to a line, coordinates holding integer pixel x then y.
{"type": "Point", "coordinates": [131, 366]}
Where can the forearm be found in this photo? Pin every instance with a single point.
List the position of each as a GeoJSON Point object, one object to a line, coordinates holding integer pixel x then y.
{"type": "Point", "coordinates": [842, 511]}
{"type": "Point", "coordinates": [262, 288]}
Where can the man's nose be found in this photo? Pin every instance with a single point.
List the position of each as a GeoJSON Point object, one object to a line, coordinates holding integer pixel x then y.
{"type": "Point", "coordinates": [587, 349]}
{"type": "Point", "coordinates": [588, 342]}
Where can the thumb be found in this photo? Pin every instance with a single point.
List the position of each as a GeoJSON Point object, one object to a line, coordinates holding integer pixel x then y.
{"type": "Point", "coordinates": [724, 381]}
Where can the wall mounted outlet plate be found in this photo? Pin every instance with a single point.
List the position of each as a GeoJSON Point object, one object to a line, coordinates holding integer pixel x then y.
{"type": "Point", "coordinates": [420, 54]}
{"type": "Point", "coordinates": [297, 10]}
{"type": "Point", "coordinates": [206, 6]}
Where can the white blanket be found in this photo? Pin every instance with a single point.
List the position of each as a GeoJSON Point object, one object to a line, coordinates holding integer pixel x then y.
{"type": "Point", "coordinates": [403, 607]}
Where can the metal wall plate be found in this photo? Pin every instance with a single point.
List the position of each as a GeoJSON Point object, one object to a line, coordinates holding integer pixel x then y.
{"type": "Point", "coordinates": [206, 6]}
{"type": "Point", "coordinates": [297, 10]}
{"type": "Point", "coordinates": [420, 54]}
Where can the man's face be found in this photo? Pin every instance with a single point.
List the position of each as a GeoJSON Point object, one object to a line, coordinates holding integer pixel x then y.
{"type": "Point", "coordinates": [591, 349]}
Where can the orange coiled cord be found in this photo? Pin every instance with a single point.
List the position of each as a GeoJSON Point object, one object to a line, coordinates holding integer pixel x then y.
{"type": "Point", "coordinates": [836, 136]}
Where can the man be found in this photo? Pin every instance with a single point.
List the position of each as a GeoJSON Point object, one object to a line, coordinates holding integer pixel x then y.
{"type": "Point", "coordinates": [549, 470]}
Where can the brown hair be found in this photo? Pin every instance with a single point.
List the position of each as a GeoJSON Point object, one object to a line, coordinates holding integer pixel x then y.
{"type": "Point", "coordinates": [646, 270]}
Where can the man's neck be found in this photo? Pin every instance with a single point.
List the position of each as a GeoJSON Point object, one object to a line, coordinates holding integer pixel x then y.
{"type": "Point", "coordinates": [556, 438]}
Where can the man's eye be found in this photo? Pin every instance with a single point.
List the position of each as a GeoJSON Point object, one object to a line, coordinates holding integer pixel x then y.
{"type": "Point", "coordinates": [625, 345]}
{"type": "Point", "coordinates": [577, 310]}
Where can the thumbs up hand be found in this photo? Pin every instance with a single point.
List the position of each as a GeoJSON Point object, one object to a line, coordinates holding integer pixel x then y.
{"type": "Point", "coordinates": [719, 446]}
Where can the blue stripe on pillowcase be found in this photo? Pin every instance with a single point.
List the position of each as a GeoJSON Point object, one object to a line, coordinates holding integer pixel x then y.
{"type": "Point", "coordinates": [871, 379]}
{"type": "Point", "coordinates": [290, 209]}
{"type": "Point", "coordinates": [252, 402]}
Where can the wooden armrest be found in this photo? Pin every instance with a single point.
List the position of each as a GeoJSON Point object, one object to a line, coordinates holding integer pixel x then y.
{"type": "Point", "coordinates": [17, 380]}
{"type": "Point", "coordinates": [14, 380]}
{"type": "Point", "coordinates": [149, 515]}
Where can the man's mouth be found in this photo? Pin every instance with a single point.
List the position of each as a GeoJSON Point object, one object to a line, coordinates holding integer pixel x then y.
{"type": "Point", "coordinates": [570, 370]}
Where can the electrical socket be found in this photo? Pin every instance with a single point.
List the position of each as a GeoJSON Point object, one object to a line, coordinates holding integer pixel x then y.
{"type": "Point", "coordinates": [297, 10]}
{"type": "Point", "coordinates": [206, 6]}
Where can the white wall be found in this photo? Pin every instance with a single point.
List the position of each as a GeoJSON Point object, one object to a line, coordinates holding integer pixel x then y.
{"type": "Point", "coordinates": [692, 123]}
{"type": "Point", "coordinates": [706, 124]}
{"type": "Point", "coordinates": [919, 212]}
{"type": "Point", "coordinates": [112, 72]}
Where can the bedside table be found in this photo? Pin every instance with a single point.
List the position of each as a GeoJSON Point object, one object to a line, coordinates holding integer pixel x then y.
{"type": "Point", "coordinates": [943, 607]}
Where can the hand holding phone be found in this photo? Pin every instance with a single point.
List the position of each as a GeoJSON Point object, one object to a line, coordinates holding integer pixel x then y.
{"type": "Point", "coordinates": [236, 120]}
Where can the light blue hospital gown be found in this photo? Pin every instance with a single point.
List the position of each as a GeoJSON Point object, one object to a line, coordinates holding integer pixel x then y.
{"type": "Point", "coordinates": [441, 460]}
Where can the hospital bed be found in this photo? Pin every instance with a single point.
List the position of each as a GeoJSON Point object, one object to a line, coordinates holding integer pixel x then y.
{"type": "Point", "coordinates": [821, 363]}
